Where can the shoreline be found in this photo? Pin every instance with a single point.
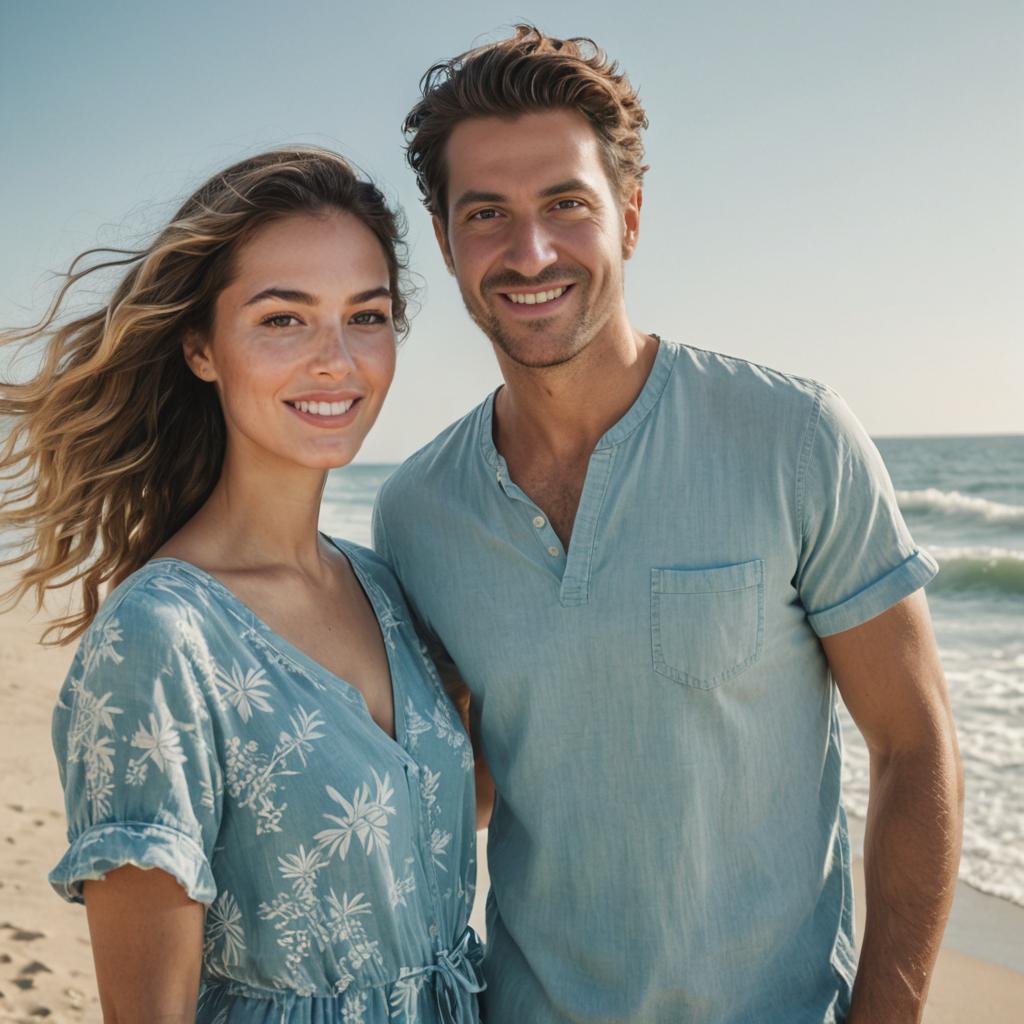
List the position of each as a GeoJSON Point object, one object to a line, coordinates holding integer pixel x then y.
{"type": "Point", "coordinates": [980, 925]}
{"type": "Point", "coordinates": [46, 965]}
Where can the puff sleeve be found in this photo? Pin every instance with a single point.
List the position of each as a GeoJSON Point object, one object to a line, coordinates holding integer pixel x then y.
{"type": "Point", "coordinates": [135, 746]}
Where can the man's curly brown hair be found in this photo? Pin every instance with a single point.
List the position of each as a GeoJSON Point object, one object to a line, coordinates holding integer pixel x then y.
{"type": "Point", "coordinates": [526, 73]}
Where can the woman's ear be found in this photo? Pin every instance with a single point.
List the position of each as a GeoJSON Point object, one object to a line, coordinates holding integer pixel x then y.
{"type": "Point", "coordinates": [197, 355]}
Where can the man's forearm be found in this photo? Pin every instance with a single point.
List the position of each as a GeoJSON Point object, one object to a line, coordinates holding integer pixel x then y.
{"type": "Point", "coordinates": [911, 854]}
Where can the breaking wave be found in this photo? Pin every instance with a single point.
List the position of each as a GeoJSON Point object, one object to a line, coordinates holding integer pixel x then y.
{"type": "Point", "coordinates": [980, 568]}
{"type": "Point", "coordinates": [954, 503]}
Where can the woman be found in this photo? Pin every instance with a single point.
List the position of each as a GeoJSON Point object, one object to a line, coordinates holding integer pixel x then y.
{"type": "Point", "coordinates": [269, 796]}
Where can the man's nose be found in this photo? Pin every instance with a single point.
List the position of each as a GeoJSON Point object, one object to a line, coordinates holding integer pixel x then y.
{"type": "Point", "coordinates": [530, 249]}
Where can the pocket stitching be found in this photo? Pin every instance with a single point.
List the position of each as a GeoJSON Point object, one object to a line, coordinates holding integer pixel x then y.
{"type": "Point", "coordinates": [661, 666]}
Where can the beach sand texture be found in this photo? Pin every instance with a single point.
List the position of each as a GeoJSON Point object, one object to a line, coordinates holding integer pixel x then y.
{"type": "Point", "coordinates": [45, 960]}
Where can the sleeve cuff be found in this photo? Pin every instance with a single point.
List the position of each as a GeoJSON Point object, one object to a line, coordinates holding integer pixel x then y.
{"type": "Point", "coordinates": [103, 848]}
{"type": "Point", "coordinates": [912, 574]}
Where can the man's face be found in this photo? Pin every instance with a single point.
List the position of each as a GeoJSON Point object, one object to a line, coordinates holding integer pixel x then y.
{"type": "Point", "coordinates": [536, 234]}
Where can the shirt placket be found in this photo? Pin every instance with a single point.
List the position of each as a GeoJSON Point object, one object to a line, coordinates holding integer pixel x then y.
{"type": "Point", "coordinates": [542, 529]}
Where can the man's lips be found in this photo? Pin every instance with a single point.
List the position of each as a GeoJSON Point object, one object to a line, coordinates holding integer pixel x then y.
{"type": "Point", "coordinates": [535, 301]}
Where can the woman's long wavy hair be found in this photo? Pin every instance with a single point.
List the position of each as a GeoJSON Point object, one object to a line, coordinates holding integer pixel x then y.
{"type": "Point", "coordinates": [115, 442]}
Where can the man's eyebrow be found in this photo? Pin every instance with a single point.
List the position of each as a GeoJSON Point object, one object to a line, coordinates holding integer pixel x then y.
{"type": "Point", "coordinates": [473, 196]}
{"type": "Point", "coordinates": [569, 185]}
{"type": "Point", "coordinates": [295, 295]}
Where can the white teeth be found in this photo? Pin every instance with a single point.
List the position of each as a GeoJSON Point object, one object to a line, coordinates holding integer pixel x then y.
{"type": "Point", "coordinates": [532, 298]}
{"type": "Point", "coordinates": [324, 408]}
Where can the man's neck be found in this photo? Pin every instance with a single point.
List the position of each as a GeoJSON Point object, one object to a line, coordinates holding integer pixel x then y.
{"type": "Point", "coordinates": [559, 413]}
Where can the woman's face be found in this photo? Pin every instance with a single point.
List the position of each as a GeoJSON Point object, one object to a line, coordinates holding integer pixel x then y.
{"type": "Point", "coordinates": [302, 350]}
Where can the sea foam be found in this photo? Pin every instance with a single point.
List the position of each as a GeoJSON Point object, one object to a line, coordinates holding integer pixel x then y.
{"type": "Point", "coordinates": [953, 503]}
{"type": "Point", "coordinates": [979, 568]}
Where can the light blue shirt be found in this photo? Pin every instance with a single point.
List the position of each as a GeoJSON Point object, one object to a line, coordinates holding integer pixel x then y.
{"type": "Point", "coordinates": [337, 863]}
{"type": "Point", "coordinates": [668, 842]}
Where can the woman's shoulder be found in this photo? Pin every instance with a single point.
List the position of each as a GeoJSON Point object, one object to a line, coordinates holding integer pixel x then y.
{"type": "Point", "coordinates": [376, 574]}
{"type": "Point", "coordinates": [368, 563]}
{"type": "Point", "coordinates": [150, 607]}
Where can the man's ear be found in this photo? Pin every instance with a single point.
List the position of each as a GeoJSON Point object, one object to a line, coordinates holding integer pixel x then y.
{"type": "Point", "coordinates": [631, 222]}
{"type": "Point", "coordinates": [441, 234]}
{"type": "Point", "coordinates": [197, 355]}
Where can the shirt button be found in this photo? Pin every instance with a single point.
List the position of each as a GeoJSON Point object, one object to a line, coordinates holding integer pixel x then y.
{"type": "Point", "coordinates": [538, 521]}
{"type": "Point", "coordinates": [553, 551]}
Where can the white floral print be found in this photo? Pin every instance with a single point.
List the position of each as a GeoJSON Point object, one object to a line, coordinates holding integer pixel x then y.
{"type": "Point", "coordinates": [365, 818]}
{"type": "Point", "coordinates": [193, 739]}
{"type": "Point", "coordinates": [245, 689]}
{"type": "Point", "coordinates": [160, 743]}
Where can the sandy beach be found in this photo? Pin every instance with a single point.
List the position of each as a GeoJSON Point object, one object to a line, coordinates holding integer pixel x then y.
{"type": "Point", "coordinates": [46, 963]}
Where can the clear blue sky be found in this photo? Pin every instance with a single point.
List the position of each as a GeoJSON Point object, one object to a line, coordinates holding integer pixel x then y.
{"type": "Point", "coordinates": [835, 188]}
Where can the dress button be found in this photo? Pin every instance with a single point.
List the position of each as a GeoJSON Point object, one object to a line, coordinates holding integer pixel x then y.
{"type": "Point", "coordinates": [538, 521]}
{"type": "Point", "coordinates": [553, 551]}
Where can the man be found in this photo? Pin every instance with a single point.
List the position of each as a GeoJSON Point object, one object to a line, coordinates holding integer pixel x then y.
{"type": "Point", "coordinates": [649, 562]}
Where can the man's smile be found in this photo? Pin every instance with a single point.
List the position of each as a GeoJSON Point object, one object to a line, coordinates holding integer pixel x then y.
{"type": "Point", "coordinates": [537, 300]}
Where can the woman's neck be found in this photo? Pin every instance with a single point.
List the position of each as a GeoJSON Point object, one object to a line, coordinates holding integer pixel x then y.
{"type": "Point", "coordinates": [260, 515]}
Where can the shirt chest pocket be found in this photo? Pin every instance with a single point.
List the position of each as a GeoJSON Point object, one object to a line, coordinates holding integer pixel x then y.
{"type": "Point", "coordinates": [707, 625]}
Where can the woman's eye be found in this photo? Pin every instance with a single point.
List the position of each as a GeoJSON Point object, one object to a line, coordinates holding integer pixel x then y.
{"type": "Point", "coordinates": [280, 320]}
{"type": "Point", "coordinates": [369, 317]}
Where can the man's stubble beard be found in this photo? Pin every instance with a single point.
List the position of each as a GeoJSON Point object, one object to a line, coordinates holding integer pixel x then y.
{"type": "Point", "coordinates": [571, 341]}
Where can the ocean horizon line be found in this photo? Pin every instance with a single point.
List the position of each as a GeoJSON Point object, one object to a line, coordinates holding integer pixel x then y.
{"type": "Point", "coordinates": [983, 436]}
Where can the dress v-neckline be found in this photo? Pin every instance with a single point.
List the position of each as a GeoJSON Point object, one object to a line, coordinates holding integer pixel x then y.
{"type": "Point", "coordinates": [296, 654]}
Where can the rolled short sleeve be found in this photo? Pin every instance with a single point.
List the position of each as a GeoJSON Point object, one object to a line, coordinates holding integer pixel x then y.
{"type": "Point", "coordinates": [135, 749]}
{"type": "Point", "coordinates": [857, 556]}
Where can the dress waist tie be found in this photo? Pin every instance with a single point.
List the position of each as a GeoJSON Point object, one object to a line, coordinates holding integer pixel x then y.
{"type": "Point", "coordinates": [457, 976]}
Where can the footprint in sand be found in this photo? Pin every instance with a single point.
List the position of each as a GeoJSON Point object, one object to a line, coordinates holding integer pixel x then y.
{"type": "Point", "coordinates": [35, 968]}
{"type": "Point", "coordinates": [22, 934]}
{"type": "Point", "coordinates": [26, 976]}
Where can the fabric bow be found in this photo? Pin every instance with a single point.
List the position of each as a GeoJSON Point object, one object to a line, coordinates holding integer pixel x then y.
{"type": "Point", "coordinates": [457, 976]}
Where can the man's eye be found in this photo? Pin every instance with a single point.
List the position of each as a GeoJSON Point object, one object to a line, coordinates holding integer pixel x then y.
{"type": "Point", "coordinates": [567, 204]}
{"type": "Point", "coordinates": [280, 320]}
{"type": "Point", "coordinates": [488, 214]}
{"type": "Point", "coordinates": [369, 317]}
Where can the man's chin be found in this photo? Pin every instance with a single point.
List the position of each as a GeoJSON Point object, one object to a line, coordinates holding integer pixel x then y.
{"type": "Point", "coordinates": [535, 351]}
{"type": "Point", "coordinates": [535, 344]}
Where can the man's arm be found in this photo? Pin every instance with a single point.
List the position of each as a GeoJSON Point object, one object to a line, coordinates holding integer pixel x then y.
{"type": "Point", "coordinates": [147, 942]}
{"type": "Point", "coordinates": [461, 697]}
{"type": "Point", "coordinates": [890, 678]}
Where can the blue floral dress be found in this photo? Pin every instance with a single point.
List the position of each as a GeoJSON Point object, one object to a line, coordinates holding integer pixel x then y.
{"type": "Point", "coordinates": [337, 864]}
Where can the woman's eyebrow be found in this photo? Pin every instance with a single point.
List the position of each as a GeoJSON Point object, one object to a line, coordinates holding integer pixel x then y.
{"type": "Point", "coordinates": [306, 299]}
{"type": "Point", "coordinates": [383, 292]}
{"type": "Point", "coordinates": [286, 295]}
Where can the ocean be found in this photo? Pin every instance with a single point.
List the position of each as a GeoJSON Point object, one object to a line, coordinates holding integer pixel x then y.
{"type": "Point", "coordinates": [963, 499]}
